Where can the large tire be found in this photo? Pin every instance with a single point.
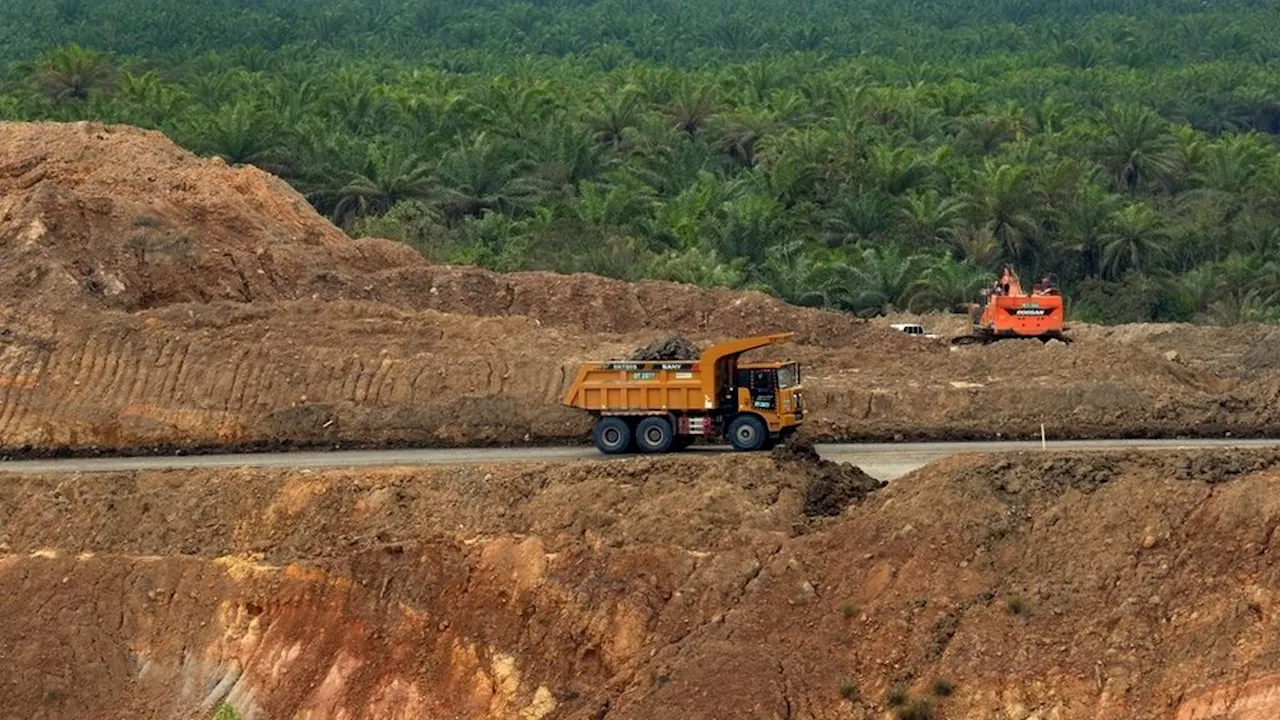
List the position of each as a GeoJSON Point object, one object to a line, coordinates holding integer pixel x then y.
{"type": "Point", "coordinates": [654, 435]}
{"type": "Point", "coordinates": [612, 436]}
{"type": "Point", "coordinates": [747, 433]}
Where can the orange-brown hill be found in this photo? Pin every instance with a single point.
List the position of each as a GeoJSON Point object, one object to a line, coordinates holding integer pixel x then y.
{"type": "Point", "coordinates": [114, 217]}
{"type": "Point", "coordinates": [1100, 587]}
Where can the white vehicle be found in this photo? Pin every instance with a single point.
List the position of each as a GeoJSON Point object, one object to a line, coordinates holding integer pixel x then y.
{"type": "Point", "coordinates": [913, 329]}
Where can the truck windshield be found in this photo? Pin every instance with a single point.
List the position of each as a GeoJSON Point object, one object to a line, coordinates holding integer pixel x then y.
{"type": "Point", "coordinates": [788, 375]}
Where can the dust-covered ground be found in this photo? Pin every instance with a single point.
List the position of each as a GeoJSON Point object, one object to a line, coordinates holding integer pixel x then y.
{"type": "Point", "coordinates": [1041, 585]}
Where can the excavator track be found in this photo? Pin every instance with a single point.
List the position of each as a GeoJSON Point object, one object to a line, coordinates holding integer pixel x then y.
{"type": "Point", "coordinates": [963, 340]}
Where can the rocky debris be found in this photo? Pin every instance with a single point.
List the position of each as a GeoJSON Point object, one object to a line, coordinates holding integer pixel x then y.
{"type": "Point", "coordinates": [831, 486]}
{"type": "Point", "coordinates": [672, 347]}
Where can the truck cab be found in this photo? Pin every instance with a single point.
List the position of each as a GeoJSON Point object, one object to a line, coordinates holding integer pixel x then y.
{"type": "Point", "coordinates": [771, 390]}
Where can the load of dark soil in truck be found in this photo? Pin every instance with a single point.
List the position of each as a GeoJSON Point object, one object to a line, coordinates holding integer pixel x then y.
{"type": "Point", "coordinates": [672, 347]}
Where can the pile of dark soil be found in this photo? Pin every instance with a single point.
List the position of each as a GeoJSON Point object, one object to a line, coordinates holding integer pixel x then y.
{"type": "Point", "coordinates": [831, 486]}
{"type": "Point", "coordinates": [672, 347]}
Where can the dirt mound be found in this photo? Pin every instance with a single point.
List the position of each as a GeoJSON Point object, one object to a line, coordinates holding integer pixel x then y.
{"type": "Point", "coordinates": [831, 486]}
{"type": "Point", "coordinates": [674, 347]}
{"type": "Point", "coordinates": [105, 216]}
{"type": "Point", "coordinates": [595, 304]}
{"type": "Point", "coordinates": [648, 588]}
{"type": "Point", "coordinates": [112, 217]}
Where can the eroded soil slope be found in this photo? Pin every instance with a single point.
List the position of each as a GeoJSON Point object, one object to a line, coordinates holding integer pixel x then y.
{"type": "Point", "coordinates": [151, 299]}
{"type": "Point", "coordinates": [359, 373]}
{"type": "Point", "coordinates": [1049, 586]}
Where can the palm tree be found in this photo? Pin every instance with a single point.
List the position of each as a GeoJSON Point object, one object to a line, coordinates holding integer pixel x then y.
{"type": "Point", "coordinates": [814, 278]}
{"type": "Point", "coordinates": [563, 155]}
{"type": "Point", "coordinates": [858, 216]}
{"type": "Point", "coordinates": [878, 283]}
{"type": "Point", "coordinates": [692, 109]}
{"type": "Point", "coordinates": [613, 122]}
{"type": "Point", "coordinates": [72, 73]}
{"type": "Point", "coordinates": [740, 131]}
{"type": "Point", "coordinates": [514, 108]}
{"type": "Point", "coordinates": [388, 178]}
{"type": "Point", "coordinates": [1084, 225]}
{"type": "Point", "coordinates": [1134, 242]}
{"type": "Point", "coordinates": [895, 169]}
{"type": "Point", "coordinates": [1193, 290]}
{"type": "Point", "coordinates": [947, 284]}
{"type": "Point", "coordinates": [1230, 164]}
{"type": "Point", "coordinates": [242, 132]}
{"type": "Point", "coordinates": [978, 246]}
{"type": "Point", "coordinates": [928, 219]}
{"type": "Point", "coordinates": [1137, 148]}
{"type": "Point", "coordinates": [479, 177]}
{"type": "Point", "coordinates": [357, 102]}
{"type": "Point", "coordinates": [620, 199]}
{"type": "Point", "coordinates": [986, 133]}
{"type": "Point", "coordinates": [155, 101]}
{"type": "Point", "coordinates": [1003, 205]}
{"type": "Point", "coordinates": [1242, 306]}
{"type": "Point", "coordinates": [755, 80]}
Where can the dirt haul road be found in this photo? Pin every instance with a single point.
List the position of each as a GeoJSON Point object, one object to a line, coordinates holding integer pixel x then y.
{"type": "Point", "coordinates": [883, 461]}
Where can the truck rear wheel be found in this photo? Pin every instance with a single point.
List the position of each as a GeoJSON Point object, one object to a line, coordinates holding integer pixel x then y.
{"type": "Point", "coordinates": [747, 432]}
{"type": "Point", "coordinates": [612, 435]}
{"type": "Point", "coordinates": [654, 435]}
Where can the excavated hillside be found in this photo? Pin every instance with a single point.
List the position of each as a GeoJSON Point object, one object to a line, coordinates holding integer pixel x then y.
{"type": "Point", "coordinates": [1121, 586]}
{"type": "Point", "coordinates": [154, 300]}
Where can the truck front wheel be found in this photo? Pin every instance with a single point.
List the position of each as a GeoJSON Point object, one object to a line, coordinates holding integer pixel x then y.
{"type": "Point", "coordinates": [612, 435]}
{"type": "Point", "coordinates": [747, 432]}
{"type": "Point", "coordinates": [654, 435]}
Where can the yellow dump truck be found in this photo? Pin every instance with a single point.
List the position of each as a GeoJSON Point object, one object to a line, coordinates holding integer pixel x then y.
{"type": "Point", "coordinates": [656, 406]}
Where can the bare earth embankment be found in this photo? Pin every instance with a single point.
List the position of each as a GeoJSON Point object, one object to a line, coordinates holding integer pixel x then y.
{"type": "Point", "coordinates": [152, 299]}
{"type": "Point", "coordinates": [149, 299]}
{"type": "Point", "coordinates": [1040, 586]}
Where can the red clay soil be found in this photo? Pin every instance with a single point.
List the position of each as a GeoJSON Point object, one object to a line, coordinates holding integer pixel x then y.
{"type": "Point", "coordinates": [153, 300]}
{"type": "Point", "coordinates": [1033, 586]}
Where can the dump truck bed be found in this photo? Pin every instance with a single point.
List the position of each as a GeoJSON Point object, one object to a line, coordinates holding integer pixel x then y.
{"type": "Point", "coordinates": [622, 386]}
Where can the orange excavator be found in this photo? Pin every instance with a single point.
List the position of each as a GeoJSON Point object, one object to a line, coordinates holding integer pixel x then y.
{"type": "Point", "coordinates": [1011, 312]}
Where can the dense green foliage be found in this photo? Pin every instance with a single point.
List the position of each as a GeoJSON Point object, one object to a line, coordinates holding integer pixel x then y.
{"type": "Point", "coordinates": [865, 155]}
